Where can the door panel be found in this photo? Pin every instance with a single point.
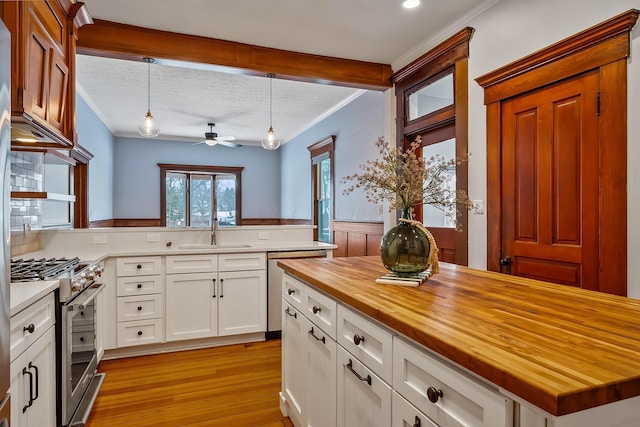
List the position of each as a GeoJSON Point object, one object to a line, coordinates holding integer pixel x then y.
{"type": "Point", "coordinates": [550, 183]}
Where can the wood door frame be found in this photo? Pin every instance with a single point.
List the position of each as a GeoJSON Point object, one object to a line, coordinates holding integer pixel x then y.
{"type": "Point", "coordinates": [450, 56]}
{"type": "Point", "coordinates": [604, 47]}
{"type": "Point", "coordinates": [326, 145]}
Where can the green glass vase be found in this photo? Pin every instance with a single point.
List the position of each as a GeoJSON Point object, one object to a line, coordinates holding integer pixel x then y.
{"type": "Point", "coordinates": [405, 248]}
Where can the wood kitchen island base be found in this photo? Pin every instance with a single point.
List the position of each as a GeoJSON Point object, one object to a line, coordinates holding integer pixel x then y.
{"type": "Point", "coordinates": [467, 348]}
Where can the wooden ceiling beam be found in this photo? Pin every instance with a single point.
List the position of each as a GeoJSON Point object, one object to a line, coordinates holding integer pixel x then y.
{"type": "Point", "coordinates": [122, 41]}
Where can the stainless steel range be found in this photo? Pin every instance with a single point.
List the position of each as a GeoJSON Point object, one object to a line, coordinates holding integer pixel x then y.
{"type": "Point", "coordinates": [77, 377]}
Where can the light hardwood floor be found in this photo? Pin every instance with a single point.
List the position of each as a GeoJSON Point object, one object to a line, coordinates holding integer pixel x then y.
{"type": "Point", "coordinates": [234, 385]}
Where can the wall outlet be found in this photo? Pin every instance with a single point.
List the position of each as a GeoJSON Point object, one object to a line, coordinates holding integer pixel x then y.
{"type": "Point", "coordinates": [99, 239]}
{"type": "Point", "coordinates": [153, 237]}
{"type": "Point", "coordinates": [263, 235]}
{"type": "Point", "coordinates": [380, 209]}
{"type": "Point", "coordinates": [478, 207]}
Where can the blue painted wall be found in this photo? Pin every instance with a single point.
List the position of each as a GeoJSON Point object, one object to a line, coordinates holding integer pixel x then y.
{"type": "Point", "coordinates": [97, 138]}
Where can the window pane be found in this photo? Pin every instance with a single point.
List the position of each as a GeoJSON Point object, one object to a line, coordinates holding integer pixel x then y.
{"type": "Point", "coordinates": [176, 199]}
{"type": "Point", "coordinates": [434, 217]}
{"type": "Point", "coordinates": [226, 200]}
{"type": "Point", "coordinates": [430, 98]}
{"type": "Point", "coordinates": [201, 196]}
{"type": "Point", "coordinates": [324, 200]}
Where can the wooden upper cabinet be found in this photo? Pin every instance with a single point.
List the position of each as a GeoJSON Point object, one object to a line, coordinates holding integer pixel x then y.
{"type": "Point", "coordinates": [44, 37]}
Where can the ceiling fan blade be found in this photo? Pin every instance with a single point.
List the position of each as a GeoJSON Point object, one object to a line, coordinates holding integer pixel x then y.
{"type": "Point", "coordinates": [228, 143]}
{"type": "Point", "coordinates": [226, 138]}
{"type": "Point", "coordinates": [198, 143]}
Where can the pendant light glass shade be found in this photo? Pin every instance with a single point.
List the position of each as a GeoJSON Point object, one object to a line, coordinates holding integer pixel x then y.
{"type": "Point", "coordinates": [147, 126]}
{"type": "Point", "coordinates": [271, 141]}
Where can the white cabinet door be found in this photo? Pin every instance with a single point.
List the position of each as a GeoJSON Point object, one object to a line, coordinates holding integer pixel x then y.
{"type": "Point", "coordinates": [320, 377]}
{"type": "Point", "coordinates": [242, 302]}
{"type": "Point", "coordinates": [294, 350]}
{"type": "Point", "coordinates": [363, 399]}
{"type": "Point", "coordinates": [33, 384]}
{"type": "Point", "coordinates": [191, 306]}
{"type": "Point", "coordinates": [406, 415]}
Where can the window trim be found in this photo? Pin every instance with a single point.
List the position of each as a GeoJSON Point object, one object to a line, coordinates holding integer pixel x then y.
{"type": "Point", "coordinates": [321, 150]}
{"type": "Point", "coordinates": [227, 170]}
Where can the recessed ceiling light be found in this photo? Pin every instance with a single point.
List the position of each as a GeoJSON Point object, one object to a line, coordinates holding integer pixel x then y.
{"type": "Point", "coordinates": [410, 4]}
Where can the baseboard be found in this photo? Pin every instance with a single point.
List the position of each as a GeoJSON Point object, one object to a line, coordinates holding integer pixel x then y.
{"type": "Point", "coordinates": [168, 347]}
{"type": "Point", "coordinates": [273, 335]}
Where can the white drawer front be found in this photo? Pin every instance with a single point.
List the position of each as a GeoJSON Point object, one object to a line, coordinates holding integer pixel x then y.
{"type": "Point", "coordinates": [242, 261]}
{"type": "Point", "coordinates": [458, 399]}
{"type": "Point", "coordinates": [139, 266]}
{"type": "Point", "coordinates": [367, 341]}
{"type": "Point", "coordinates": [293, 291]}
{"type": "Point", "coordinates": [321, 310]}
{"type": "Point", "coordinates": [140, 332]}
{"type": "Point", "coordinates": [205, 263]}
{"type": "Point", "coordinates": [364, 399]}
{"type": "Point", "coordinates": [140, 307]}
{"type": "Point", "coordinates": [142, 285]}
{"type": "Point", "coordinates": [38, 318]}
{"type": "Point", "coordinates": [404, 414]}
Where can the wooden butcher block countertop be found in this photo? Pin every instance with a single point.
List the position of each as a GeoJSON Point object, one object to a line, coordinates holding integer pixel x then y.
{"type": "Point", "coordinates": [560, 348]}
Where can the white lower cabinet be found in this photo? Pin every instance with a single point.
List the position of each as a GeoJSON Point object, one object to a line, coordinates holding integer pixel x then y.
{"type": "Point", "coordinates": [320, 377]}
{"type": "Point", "coordinates": [201, 303]}
{"type": "Point", "coordinates": [33, 368]}
{"type": "Point", "coordinates": [447, 396]}
{"type": "Point", "coordinates": [404, 414]}
{"type": "Point", "coordinates": [363, 398]}
{"type": "Point", "coordinates": [294, 349]}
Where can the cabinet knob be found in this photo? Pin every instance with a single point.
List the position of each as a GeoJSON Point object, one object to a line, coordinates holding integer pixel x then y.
{"type": "Point", "coordinates": [139, 286]}
{"type": "Point", "coordinates": [29, 328]}
{"type": "Point", "coordinates": [81, 339]}
{"type": "Point", "coordinates": [434, 394]}
{"type": "Point", "coordinates": [357, 339]}
{"type": "Point", "coordinates": [139, 333]}
{"type": "Point", "coordinates": [316, 309]}
{"type": "Point", "coordinates": [139, 266]}
{"type": "Point", "coordinates": [291, 291]}
{"type": "Point", "coordinates": [139, 308]}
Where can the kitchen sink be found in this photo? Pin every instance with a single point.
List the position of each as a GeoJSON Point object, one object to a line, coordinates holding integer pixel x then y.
{"type": "Point", "coordinates": [199, 246]}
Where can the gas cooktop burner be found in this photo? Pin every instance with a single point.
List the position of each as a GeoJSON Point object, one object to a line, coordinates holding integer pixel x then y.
{"type": "Point", "coordinates": [41, 269]}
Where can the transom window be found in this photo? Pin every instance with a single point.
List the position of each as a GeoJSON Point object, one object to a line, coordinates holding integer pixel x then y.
{"type": "Point", "coordinates": [190, 194]}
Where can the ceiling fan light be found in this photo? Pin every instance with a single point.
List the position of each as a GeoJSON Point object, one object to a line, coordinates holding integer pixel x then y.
{"type": "Point", "coordinates": [410, 4]}
{"type": "Point", "coordinates": [147, 126]}
{"type": "Point", "coordinates": [271, 141]}
{"type": "Point", "coordinates": [210, 142]}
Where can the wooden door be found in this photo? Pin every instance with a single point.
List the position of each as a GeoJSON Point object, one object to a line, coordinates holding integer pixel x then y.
{"type": "Point", "coordinates": [550, 180]}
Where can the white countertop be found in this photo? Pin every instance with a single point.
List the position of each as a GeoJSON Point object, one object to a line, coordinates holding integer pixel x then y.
{"type": "Point", "coordinates": [23, 294]}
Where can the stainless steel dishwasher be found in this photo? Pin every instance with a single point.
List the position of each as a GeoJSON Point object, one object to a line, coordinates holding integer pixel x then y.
{"type": "Point", "coordinates": [274, 286]}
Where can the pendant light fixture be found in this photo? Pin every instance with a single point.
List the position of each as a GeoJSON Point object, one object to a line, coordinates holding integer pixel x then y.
{"type": "Point", "coordinates": [410, 4]}
{"type": "Point", "coordinates": [271, 141]}
{"type": "Point", "coordinates": [147, 126]}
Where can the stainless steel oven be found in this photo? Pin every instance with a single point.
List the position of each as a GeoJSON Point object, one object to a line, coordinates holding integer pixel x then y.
{"type": "Point", "coordinates": [79, 380]}
{"type": "Point", "coordinates": [76, 354]}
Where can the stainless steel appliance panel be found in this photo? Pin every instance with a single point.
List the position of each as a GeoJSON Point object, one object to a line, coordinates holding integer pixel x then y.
{"type": "Point", "coordinates": [5, 136]}
{"type": "Point", "coordinates": [274, 286]}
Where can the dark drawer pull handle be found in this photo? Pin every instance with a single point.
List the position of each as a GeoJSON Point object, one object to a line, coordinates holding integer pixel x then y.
{"type": "Point", "coordinates": [35, 368]}
{"type": "Point", "coordinates": [434, 394]}
{"type": "Point", "coordinates": [291, 291]}
{"type": "Point", "coordinates": [417, 422]}
{"type": "Point", "coordinates": [316, 309]}
{"type": "Point", "coordinates": [367, 379]}
{"type": "Point", "coordinates": [139, 308]}
{"type": "Point", "coordinates": [214, 288]}
{"type": "Point", "coordinates": [139, 266]}
{"type": "Point", "coordinates": [357, 339]}
{"type": "Point", "coordinates": [26, 372]}
{"type": "Point", "coordinates": [221, 288]}
{"type": "Point", "coordinates": [139, 333]}
{"type": "Point", "coordinates": [317, 339]}
{"type": "Point", "coordinates": [294, 315]}
{"type": "Point", "coordinates": [139, 285]}
{"type": "Point", "coordinates": [31, 328]}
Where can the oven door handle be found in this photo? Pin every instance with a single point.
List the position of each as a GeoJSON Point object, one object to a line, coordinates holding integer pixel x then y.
{"type": "Point", "coordinates": [85, 300]}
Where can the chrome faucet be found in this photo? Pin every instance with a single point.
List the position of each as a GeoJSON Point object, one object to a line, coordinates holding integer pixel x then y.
{"type": "Point", "coordinates": [214, 230]}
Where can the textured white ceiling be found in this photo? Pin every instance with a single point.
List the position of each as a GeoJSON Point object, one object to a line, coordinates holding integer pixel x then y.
{"type": "Point", "coordinates": [184, 100]}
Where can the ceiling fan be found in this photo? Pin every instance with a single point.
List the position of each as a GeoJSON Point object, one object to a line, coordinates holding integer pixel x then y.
{"type": "Point", "coordinates": [211, 138]}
